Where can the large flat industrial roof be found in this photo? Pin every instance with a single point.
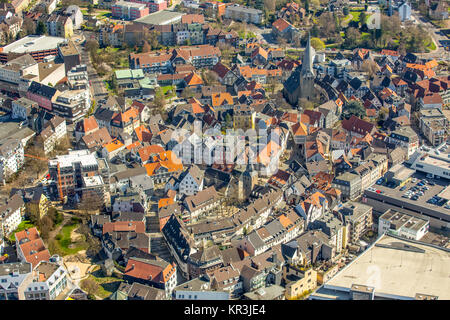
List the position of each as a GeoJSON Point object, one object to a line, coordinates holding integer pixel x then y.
{"type": "Point", "coordinates": [404, 271]}
{"type": "Point", "coordinates": [33, 43]}
{"type": "Point", "coordinates": [160, 18]}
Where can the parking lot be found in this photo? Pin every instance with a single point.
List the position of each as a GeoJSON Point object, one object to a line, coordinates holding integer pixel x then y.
{"type": "Point", "coordinates": [417, 191]}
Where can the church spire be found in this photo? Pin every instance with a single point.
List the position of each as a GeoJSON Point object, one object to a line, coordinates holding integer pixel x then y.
{"type": "Point", "coordinates": [308, 57]}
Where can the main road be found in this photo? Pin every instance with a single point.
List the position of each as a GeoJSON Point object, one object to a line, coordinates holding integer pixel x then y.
{"type": "Point", "coordinates": [440, 53]}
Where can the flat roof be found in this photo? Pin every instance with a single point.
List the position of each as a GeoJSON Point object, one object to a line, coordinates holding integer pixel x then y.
{"type": "Point", "coordinates": [92, 181]}
{"type": "Point", "coordinates": [67, 160]}
{"type": "Point", "coordinates": [268, 293]}
{"type": "Point", "coordinates": [33, 43]}
{"type": "Point", "coordinates": [129, 4]}
{"type": "Point", "coordinates": [400, 219]}
{"type": "Point", "coordinates": [419, 268]}
{"type": "Point", "coordinates": [69, 49]}
{"type": "Point", "coordinates": [12, 129]}
{"type": "Point", "coordinates": [402, 172]}
{"type": "Point", "coordinates": [445, 194]}
{"type": "Point", "coordinates": [8, 268]}
{"type": "Point", "coordinates": [160, 18]}
{"type": "Point", "coordinates": [434, 161]}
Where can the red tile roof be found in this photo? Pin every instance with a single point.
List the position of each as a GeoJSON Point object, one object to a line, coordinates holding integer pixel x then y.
{"type": "Point", "coordinates": [87, 125]}
{"type": "Point", "coordinates": [193, 18]}
{"type": "Point", "coordinates": [143, 134]}
{"type": "Point", "coordinates": [193, 79]}
{"type": "Point", "coordinates": [136, 226]}
{"type": "Point", "coordinates": [281, 25]}
{"type": "Point", "coordinates": [146, 152]}
{"type": "Point", "coordinates": [357, 125]}
{"type": "Point", "coordinates": [154, 271]}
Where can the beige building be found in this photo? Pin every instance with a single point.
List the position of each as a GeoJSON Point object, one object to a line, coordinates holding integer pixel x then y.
{"type": "Point", "coordinates": [298, 281]}
{"type": "Point", "coordinates": [358, 218]}
{"type": "Point", "coordinates": [243, 117]}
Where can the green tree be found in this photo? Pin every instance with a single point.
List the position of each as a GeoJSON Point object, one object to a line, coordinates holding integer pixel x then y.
{"type": "Point", "coordinates": [90, 8]}
{"type": "Point", "coordinates": [41, 28]}
{"type": "Point", "coordinates": [228, 120]}
{"type": "Point", "coordinates": [362, 18]}
{"type": "Point", "coordinates": [159, 100]}
{"type": "Point", "coordinates": [317, 44]}
{"type": "Point", "coordinates": [346, 11]}
{"type": "Point", "coordinates": [354, 108]}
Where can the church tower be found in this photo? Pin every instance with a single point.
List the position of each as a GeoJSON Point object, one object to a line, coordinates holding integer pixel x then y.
{"type": "Point", "coordinates": [307, 74]}
{"type": "Point", "coordinates": [247, 182]}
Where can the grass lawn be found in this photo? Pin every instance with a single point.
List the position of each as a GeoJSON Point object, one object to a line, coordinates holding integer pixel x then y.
{"type": "Point", "coordinates": [365, 35]}
{"type": "Point", "coordinates": [107, 49]}
{"type": "Point", "coordinates": [108, 85]}
{"type": "Point", "coordinates": [431, 46]}
{"type": "Point", "coordinates": [167, 88]}
{"type": "Point", "coordinates": [26, 224]}
{"type": "Point", "coordinates": [355, 15]}
{"type": "Point", "coordinates": [107, 285]}
{"type": "Point", "coordinates": [66, 241]}
{"type": "Point", "coordinates": [124, 62]}
{"type": "Point", "coordinates": [346, 20]}
{"type": "Point", "coordinates": [103, 14]}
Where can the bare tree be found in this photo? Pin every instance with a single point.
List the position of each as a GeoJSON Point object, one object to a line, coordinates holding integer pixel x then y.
{"type": "Point", "coordinates": [90, 286]}
{"type": "Point", "coordinates": [146, 47]}
{"type": "Point", "coordinates": [210, 78]}
{"type": "Point", "coordinates": [270, 5]}
{"type": "Point", "coordinates": [369, 66]}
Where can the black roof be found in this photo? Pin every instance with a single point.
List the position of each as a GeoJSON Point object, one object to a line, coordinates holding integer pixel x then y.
{"type": "Point", "coordinates": [355, 83]}
{"type": "Point", "coordinates": [410, 58]}
{"type": "Point", "coordinates": [293, 82]}
{"type": "Point", "coordinates": [42, 90]}
{"type": "Point", "coordinates": [410, 76]}
{"type": "Point", "coordinates": [343, 85]}
{"type": "Point", "coordinates": [173, 232]}
{"type": "Point", "coordinates": [386, 82]}
{"type": "Point", "coordinates": [104, 114]}
{"type": "Point", "coordinates": [134, 252]}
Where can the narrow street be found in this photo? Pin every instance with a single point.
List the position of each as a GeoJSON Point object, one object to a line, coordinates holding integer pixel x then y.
{"type": "Point", "coordinates": [98, 89]}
